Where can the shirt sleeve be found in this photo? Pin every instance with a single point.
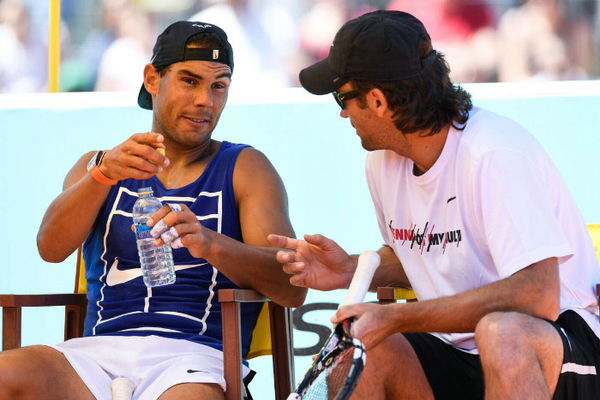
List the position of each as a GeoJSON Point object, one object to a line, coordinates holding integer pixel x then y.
{"type": "Point", "coordinates": [371, 170]}
{"type": "Point", "coordinates": [517, 211]}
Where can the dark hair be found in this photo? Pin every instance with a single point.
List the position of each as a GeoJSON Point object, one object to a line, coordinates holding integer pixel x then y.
{"type": "Point", "coordinates": [427, 102]}
{"type": "Point", "coordinates": [200, 40]}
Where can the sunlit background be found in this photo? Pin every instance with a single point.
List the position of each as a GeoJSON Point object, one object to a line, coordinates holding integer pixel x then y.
{"type": "Point", "coordinates": [106, 43]}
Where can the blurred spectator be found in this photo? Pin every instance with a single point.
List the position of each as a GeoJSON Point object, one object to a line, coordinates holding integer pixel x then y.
{"type": "Point", "coordinates": [461, 29]}
{"type": "Point", "coordinates": [22, 55]}
{"type": "Point", "coordinates": [319, 26]}
{"type": "Point", "coordinates": [274, 39]}
{"type": "Point", "coordinates": [80, 72]}
{"type": "Point", "coordinates": [124, 59]}
{"type": "Point", "coordinates": [546, 39]}
{"type": "Point", "coordinates": [256, 31]}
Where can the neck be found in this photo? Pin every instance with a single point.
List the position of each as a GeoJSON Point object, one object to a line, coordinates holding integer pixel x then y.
{"type": "Point", "coordinates": [186, 164]}
{"type": "Point", "coordinates": [425, 150]}
{"type": "Point", "coordinates": [184, 155]}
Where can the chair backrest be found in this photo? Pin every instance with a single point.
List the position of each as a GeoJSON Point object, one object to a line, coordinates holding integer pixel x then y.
{"type": "Point", "coordinates": [261, 335]}
{"type": "Point", "coordinates": [80, 281]}
{"type": "Point", "coordinates": [595, 234]}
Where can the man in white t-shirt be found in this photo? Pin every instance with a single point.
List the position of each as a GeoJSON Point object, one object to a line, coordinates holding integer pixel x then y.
{"type": "Point", "coordinates": [475, 218]}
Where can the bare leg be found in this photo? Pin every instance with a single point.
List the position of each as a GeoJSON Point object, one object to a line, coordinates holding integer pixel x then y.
{"type": "Point", "coordinates": [198, 391]}
{"type": "Point", "coordinates": [393, 371]}
{"type": "Point", "coordinates": [39, 373]}
{"type": "Point", "coordinates": [521, 356]}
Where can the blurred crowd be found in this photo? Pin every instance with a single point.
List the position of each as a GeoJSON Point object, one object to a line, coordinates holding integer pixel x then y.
{"type": "Point", "coordinates": [106, 43]}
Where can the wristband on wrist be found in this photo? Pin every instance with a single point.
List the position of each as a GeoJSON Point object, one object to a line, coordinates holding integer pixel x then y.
{"type": "Point", "coordinates": [100, 177]}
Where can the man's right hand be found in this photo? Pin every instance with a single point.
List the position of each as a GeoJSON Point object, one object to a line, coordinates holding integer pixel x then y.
{"type": "Point", "coordinates": [316, 262]}
{"type": "Point", "coordinates": [137, 157]}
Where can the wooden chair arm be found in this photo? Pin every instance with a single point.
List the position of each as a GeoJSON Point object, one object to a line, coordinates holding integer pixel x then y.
{"type": "Point", "coordinates": [12, 304]}
{"type": "Point", "coordinates": [388, 294]}
{"type": "Point", "coordinates": [240, 296]}
{"type": "Point", "coordinates": [39, 300]}
{"type": "Point", "coordinates": [280, 320]}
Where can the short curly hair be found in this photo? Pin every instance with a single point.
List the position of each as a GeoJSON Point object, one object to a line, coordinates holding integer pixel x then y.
{"type": "Point", "coordinates": [427, 102]}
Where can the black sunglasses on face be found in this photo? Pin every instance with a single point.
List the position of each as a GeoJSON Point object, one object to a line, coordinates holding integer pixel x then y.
{"type": "Point", "coordinates": [341, 97]}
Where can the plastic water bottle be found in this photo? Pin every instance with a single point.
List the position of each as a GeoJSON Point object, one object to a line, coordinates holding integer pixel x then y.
{"type": "Point", "coordinates": [156, 262]}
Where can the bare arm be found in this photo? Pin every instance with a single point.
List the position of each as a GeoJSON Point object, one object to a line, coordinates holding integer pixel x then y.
{"type": "Point", "coordinates": [262, 204]}
{"type": "Point", "coordinates": [534, 290]}
{"type": "Point", "coordinates": [390, 271]}
{"type": "Point", "coordinates": [71, 215]}
{"type": "Point", "coordinates": [263, 209]}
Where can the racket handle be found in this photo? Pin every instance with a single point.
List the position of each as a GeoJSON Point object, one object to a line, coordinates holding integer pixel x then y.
{"type": "Point", "coordinates": [294, 396]}
{"type": "Point", "coordinates": [368, 262]}
{"type": "Point", "coordinates": [122, 388]}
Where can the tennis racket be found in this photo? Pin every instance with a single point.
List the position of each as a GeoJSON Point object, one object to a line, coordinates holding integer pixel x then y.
{"type": "Point", "coordinates": [336, 369]}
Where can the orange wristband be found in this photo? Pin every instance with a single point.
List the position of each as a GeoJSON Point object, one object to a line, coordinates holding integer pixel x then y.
{"type": "Point", "coordinates": [101, 178]}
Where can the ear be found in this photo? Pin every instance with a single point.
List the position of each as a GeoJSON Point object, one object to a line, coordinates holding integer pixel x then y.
{"type": "Point", "coordinates": [151, 79]}
{"type": "Point", "coordinates": [377, 101]}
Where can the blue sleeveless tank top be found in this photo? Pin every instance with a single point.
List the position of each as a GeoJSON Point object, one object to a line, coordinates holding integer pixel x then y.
{"type": "Point", "coordinates": [118, 301]}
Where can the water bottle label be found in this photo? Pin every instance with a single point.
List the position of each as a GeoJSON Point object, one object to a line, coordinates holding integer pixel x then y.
{"type": "Point", "coordinates": [142, 227]}
{"type": "Point", "coordinates": [142, 231]}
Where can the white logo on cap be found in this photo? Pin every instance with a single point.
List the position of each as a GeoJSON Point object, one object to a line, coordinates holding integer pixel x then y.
{"type": "Point", "coordinates": [215, 54]}
{"type": "Point", "coordinates": [202, 26]}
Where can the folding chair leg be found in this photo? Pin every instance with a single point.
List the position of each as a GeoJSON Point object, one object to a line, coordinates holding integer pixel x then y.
{"type": "Point", "coordinates": [11, 328]}
{"type": "Point", "coordinates": [231, 357]}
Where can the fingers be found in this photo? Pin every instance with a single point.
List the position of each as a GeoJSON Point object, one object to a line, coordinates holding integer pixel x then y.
{"type": "Point", "coordinates": [138, 157]}
{"type": "Point", "coordinates": [283, 241]}
{"type": "Point", "coordinates": [147, 150]}
{"type": "Point", "coordinates": [344, 312]}
{"type": "Point", "coordinates": [151, 138]}
{"type": "Point", "coordinates": [321, 241]}
{"type": "Point", "coordinates": [171, 223]}
{"type": "Point", "coordinates": [177, 210]}
{"type": "Point", "coordinates": [298, 280]}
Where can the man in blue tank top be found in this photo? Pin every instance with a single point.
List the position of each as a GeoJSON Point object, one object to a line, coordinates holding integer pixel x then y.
{"type": "Point", "coordinates": [221, 200]}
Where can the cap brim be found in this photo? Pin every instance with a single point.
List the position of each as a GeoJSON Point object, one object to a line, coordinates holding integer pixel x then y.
{"type": "Point", "coordinates": [144, 98]}
{"type": "Point", "coordinates": [319, 78]}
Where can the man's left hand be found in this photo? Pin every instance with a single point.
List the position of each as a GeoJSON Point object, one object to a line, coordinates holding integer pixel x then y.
{"type": "Point", "coordinates": [178, 225]}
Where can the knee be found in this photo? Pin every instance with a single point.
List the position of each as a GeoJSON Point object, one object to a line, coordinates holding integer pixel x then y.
{"type": "Point", "coordinates": [11, 380]}
{"type": "Point", "coordinates": [498, 331]}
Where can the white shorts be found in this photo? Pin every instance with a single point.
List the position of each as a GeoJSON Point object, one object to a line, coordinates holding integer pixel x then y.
{"type": "Point", "coordinates": [153, 363]}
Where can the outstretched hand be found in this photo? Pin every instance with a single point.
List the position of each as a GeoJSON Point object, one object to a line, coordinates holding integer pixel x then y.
{"type": "Point", "coordinates": [316, 262]}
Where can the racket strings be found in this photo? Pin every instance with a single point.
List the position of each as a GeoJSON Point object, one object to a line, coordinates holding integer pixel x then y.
{"type": "Point", "coordinates": [332, 378]}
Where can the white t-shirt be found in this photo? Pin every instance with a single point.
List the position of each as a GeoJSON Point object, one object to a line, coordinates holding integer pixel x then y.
{"type": "Point", "coordinates": [492, 204]}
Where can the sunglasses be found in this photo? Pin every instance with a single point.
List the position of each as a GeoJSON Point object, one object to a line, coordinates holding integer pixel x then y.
{"type": "Point", "coordinates": [341, 97]}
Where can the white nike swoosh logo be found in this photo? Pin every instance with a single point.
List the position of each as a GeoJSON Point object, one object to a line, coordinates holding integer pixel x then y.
{"type": "Point", "coordinates": [118, 276]}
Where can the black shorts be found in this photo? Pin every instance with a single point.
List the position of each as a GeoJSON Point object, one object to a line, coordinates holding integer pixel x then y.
{"type": "Point", "coordinates": [452, 374]}
{"type": "Point", "coordinates": [455, 374]}
{"type": "Point", "coordinates": [579, 378]}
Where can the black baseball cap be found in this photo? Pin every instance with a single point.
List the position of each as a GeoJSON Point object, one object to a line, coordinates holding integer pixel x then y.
{"type": "Point", "coordinates": [171, 47]}
{"type": "Point", "coordinates": [379, 46]}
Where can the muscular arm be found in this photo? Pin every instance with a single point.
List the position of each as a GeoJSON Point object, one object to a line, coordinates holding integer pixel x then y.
{"type": "Point", "coordinates": [390, 271]}
{"type": "Point", "coordinates": [262, 204]}
{"type": "Point", "coordinates": [71, 215]}
{"type": "Point", "coordinates": [534, 290]}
